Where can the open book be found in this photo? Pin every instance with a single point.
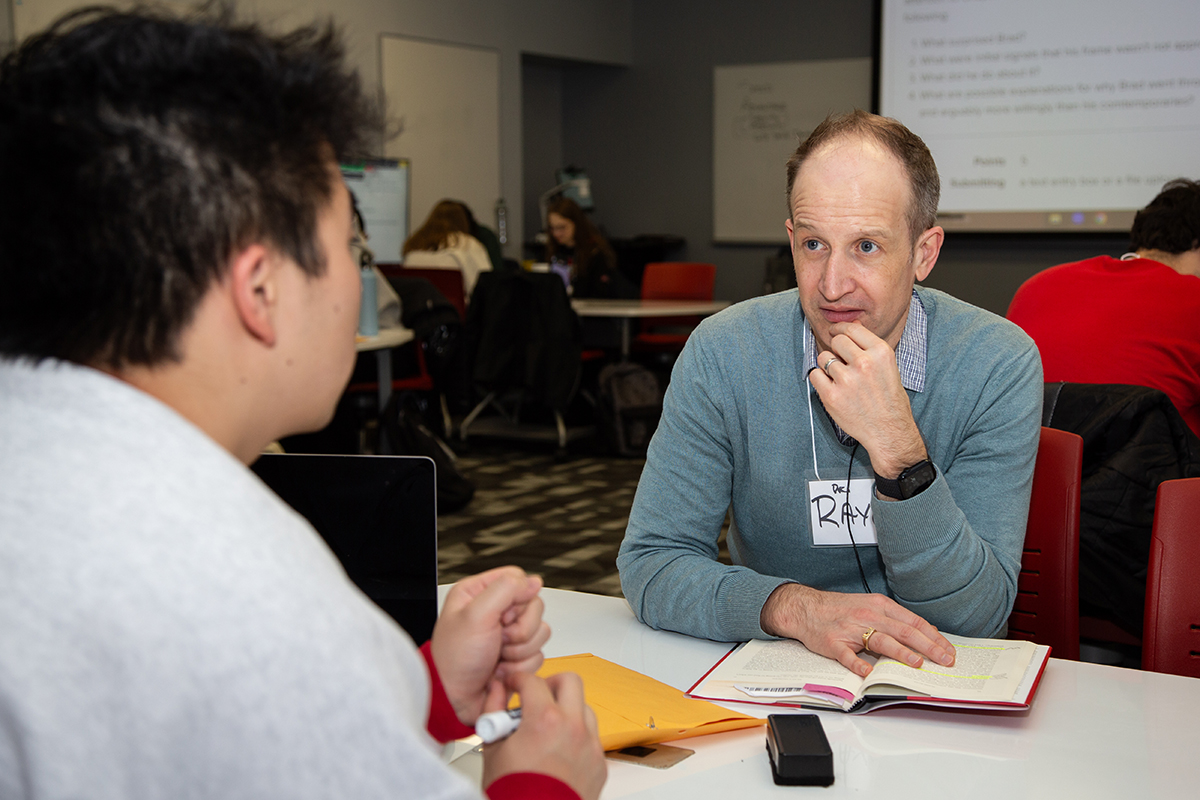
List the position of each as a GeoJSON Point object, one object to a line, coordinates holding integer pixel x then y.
{"type": "Point", "coordinates": [993, 674]}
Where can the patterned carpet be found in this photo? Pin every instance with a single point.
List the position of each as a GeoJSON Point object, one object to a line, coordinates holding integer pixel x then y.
{"type": "Point", "coordinates": [564, 521]}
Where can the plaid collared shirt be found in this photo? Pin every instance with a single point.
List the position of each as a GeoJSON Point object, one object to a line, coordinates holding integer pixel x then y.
{"type": "Point", "coordinates": [911, 353]}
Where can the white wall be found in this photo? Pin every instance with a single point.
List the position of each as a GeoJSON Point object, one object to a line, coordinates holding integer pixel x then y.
{"type": "Point", "coordinates": [586, 30]}
{"type": "Point", "coordinates": [6, 26]}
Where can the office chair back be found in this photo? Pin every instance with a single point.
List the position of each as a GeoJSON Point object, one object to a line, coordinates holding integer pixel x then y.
{"type": "Point", "coordinates": [673, 280]}
{"type": "Point", "coordinates": [1171, 635]}
{"type": "Point", "coordinates": [447, 281]}
{"type": "Point", "coordinates": [678, 280]}
{"type": "Point", "coordinates": [523, 341]}
{"type": "Point", "coordinates": [1046, 610]}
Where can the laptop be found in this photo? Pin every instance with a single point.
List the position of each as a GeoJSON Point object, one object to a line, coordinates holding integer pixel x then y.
{"type": "Point", "coordinates": [379, 516]}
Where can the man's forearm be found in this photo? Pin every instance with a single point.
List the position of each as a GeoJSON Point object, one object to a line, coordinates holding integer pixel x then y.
{"type": "Point", "coordinates": [940, 567]}
{"type": "Point", "coordinates": [783, 613]}
{"type": "Point", "coordinates": [898, 450]}
{"type": "Point", "coordinates": [674, 590]}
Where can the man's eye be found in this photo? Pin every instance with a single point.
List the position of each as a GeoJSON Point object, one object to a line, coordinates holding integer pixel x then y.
{"type": "Point", "coordinates": [811, 244]}
{"type": "Point", "coordinates": [868, 247]}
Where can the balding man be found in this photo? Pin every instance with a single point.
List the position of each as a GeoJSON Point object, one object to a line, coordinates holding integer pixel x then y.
{"type": "Point", "coordinates": [874, 442]}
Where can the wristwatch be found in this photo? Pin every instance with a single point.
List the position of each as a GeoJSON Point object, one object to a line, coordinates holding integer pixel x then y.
{"type": "Point", "coordinates": [910, 483]}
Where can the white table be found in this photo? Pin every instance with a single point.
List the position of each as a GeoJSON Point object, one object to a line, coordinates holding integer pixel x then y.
{"type": "Point", "coordinates": [1093, 732]}
{"type": "Point", "coordinates": [382, 343]}
{"type": "Point", "coordinates": [626, 310]}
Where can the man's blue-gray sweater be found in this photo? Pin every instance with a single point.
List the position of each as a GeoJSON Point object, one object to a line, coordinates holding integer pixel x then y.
{"type": "Point", "coordinates": [735, 433]}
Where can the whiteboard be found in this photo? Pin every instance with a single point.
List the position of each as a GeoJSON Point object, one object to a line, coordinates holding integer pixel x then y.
{"type": "Point", "coordinates": [760, 113]}
{"type": "Point", "coordinates": [445, 99]}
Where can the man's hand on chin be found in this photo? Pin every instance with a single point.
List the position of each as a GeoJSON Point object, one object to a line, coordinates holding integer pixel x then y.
{"type": "Point", "coordinates": [862, 391]}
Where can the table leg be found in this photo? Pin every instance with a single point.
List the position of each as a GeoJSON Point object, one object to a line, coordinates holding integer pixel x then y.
{"type": "Point", "coordinates": [384, 373]}
{"type": "Point", "coordinates": [625, 338]}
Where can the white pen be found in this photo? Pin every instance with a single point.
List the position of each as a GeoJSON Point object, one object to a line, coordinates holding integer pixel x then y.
{"type": "Point", "coordinates": [496, 725]}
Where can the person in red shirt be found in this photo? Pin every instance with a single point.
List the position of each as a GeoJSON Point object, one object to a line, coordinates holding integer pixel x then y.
{"type": "Point", "coordinates": [1134, 319]}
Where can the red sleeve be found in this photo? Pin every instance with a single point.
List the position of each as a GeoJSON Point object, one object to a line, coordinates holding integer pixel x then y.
{"type": "Point", "coordinates": [445, 726]}
{"type": "Point", "coordinates": [529, 786]}
{"type": "Point", "coordinates": [443, 723]}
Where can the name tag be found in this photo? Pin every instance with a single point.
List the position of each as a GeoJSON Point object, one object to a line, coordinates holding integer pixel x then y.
{"type": "Point", "coordinates": [836, 512]}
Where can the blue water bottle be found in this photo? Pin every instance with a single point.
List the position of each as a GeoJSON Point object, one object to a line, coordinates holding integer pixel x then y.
{"type": "Point", "coordinates": [368, 312]}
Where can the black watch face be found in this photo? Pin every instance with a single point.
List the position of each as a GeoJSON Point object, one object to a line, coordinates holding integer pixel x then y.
{"type": "Point", "coordinates": [916, 479]}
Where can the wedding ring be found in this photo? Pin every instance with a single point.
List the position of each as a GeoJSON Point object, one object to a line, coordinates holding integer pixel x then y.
{"type": "Point", "coordinates": [867, 639]}
{"type": "Point", "coordinates": [827, 363]}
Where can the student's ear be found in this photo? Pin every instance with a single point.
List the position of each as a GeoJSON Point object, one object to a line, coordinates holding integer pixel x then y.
{"type": "Point", "coordinates": [253, 278]}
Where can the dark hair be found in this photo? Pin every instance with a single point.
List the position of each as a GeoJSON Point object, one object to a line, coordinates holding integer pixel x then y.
{"type": "Point", "coordinates": [139, 151]}
{"type": "Point", "coordinates": [447, 218]}
{"type": "Point", "coordinates": [590, 244]}
{"type": "Point", "coordinates": [1171, 223]}
{"type": "Point", "coordinates": [905, 145]}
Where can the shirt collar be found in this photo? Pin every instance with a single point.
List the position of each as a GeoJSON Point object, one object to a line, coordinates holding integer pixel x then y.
{"type": "Point", "coordinates": [911, 353]}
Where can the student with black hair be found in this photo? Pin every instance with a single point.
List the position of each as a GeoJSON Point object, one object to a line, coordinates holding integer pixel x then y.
{"type": "Point", "coordinates": [179, 291]}
{"type": "Point", "coordinates": [1134, 319]}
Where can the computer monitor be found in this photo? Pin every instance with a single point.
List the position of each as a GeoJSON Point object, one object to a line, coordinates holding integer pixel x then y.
{"type": "Point", "coordinates": [379, 516]}
{"type": "Point", "coordinates": [381, 189]}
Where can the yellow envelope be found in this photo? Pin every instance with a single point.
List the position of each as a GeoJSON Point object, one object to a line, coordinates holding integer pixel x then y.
{"type": "Point", "coordinates": [624, 702]}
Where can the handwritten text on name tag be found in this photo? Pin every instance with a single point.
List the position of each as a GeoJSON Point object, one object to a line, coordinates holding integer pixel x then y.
{"type": "Point", "coordinates": [836, 514]}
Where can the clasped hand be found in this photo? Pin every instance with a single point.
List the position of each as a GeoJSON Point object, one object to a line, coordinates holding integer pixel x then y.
{"type": "Point", "coordinates": [487, 644]}
{"type": "Point", "coordinates": [490, 628]}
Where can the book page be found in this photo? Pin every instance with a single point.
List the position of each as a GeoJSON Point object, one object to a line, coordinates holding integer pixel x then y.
{"type": "Point", "coordinates": [780, 668]}
{"type": "Point", "coordinates": [985, 670]}
{"type": "Point", "coordinates": [786, 672]}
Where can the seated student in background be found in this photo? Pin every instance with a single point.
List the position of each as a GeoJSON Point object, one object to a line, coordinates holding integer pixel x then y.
{"type": "Point", "coordinates": [486, 236]}
{"type": "Point", "coordinates": [1133, 319]}
{"type": "Point", "coordinates": [578, 252]}
{"type": "Point", "coordinates": [931, 405]}
{"type": "Point", "coordinates": [170, 627]}
{"type": "Point", "coordinates": [444, 241]}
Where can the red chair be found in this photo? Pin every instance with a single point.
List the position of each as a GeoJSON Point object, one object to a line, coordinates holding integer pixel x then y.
{"type": "Point", "coordinates": [673, 280]}
{"type": "Point", "coordinates": [1171, 636]}
{"type": "Point", "coordinates": [1046, 610]}
{"type": "Point", "coordinates": [447, 281]}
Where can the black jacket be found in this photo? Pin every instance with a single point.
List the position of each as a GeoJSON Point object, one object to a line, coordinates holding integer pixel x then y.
{"type": "Point", "coordinates": [523, 334]}
{"type": "Point", "coordinates": [1133, 440]}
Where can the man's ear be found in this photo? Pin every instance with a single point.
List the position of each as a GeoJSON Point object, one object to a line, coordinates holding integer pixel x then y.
{"type": "Point", "coordinates": [925, 254]}
{"type": "Point", "coordinates": [253, 276]}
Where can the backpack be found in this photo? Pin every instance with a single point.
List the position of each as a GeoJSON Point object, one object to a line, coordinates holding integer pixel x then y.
{"type": "Point", "coordinates": [630, 405]}
{"type": "Point", "coordinates": [408, 435]}
{"type": "Point", "coordinates": [437, 326]}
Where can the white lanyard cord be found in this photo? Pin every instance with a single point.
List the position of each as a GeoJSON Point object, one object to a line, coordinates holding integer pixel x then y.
{"type": "Point", "coordinates": [812, 428]}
